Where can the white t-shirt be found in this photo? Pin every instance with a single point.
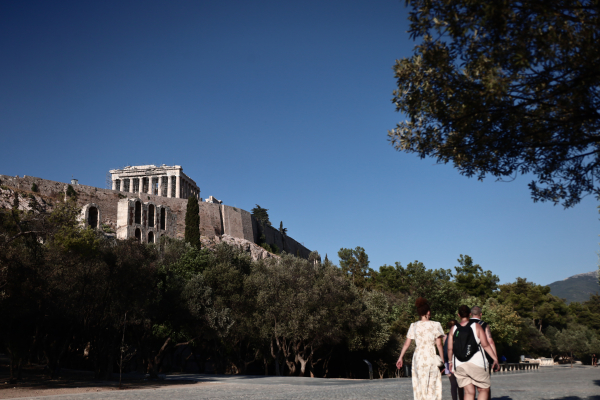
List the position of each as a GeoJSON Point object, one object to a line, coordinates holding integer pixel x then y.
{"type": "Point", "coordinates": [478, 358]}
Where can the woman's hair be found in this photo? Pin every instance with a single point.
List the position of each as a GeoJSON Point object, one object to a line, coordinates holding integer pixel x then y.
{"type": "Point", "coordinates": [422, 306]}
{"type": "Point", "coordinates": [451, 323]}
{"type": "Point", "coordinates": [464, 311]}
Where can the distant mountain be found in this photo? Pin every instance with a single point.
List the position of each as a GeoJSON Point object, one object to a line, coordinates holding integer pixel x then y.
{"type": "Point", "coordinates": [577, 287]}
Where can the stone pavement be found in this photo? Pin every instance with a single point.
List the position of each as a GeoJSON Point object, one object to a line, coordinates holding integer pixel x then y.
{"type": "Point", "coordinates": [558, 382]}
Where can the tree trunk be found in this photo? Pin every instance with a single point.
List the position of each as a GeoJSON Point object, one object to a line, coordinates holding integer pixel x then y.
{"type": "Point", "coordinates": [154, 363]}
{"type": "Point", "coordinates": [56, 367]}
{"type": "Point", "coordinates": [303, 355]}
{"type": "Point", "coordinates": [276, 357]}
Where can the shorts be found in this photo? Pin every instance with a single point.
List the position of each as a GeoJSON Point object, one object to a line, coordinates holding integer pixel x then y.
{"type": "Point", "coordinates": [469, 373]}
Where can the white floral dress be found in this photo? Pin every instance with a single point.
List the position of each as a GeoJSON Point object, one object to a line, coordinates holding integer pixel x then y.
{"type": "Point", "coordinates": [426, 377]}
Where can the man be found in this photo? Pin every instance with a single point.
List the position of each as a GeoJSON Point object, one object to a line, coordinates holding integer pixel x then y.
{"type": "Point", "coordinates": [470, 368]}
{"type": "Point", "coordinates": [476, 316]}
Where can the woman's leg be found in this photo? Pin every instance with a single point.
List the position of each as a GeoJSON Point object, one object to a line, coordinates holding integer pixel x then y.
{"type": "Point", "coordinates": [453, 387]}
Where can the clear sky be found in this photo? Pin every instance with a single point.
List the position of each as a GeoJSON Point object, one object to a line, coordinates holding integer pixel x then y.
{"type": "Point", "coordinates": [278, 103]}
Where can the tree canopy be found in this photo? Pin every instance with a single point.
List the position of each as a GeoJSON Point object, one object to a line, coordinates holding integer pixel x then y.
{"type": "Point", "coordinates": [261, 214]}
{"type": "Point", "coordinates": [472, 280]}
{"type": "Point", "coordinates": [504, 88]}
{"type": "Point", "coordinates": [65, 289]}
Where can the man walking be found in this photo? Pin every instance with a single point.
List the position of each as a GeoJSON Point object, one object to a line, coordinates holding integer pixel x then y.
{"type": "Point", "coordinates": [476, 316]}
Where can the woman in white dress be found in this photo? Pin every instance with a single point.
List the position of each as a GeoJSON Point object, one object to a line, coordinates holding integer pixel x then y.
{"type": "Point", "coordinates": [426, 376]}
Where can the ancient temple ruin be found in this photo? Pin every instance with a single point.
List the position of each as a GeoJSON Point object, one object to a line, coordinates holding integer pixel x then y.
{"type": "Point", "coordinates": [165, 181]}
{"type": "Point", "coordinates": [147, 202]}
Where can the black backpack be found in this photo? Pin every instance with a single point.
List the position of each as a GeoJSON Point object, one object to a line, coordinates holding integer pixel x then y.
{"type": "Point", "coordinates": [465, 345]}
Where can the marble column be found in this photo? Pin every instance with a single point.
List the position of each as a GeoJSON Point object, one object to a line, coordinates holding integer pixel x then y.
{"type": "Point", "coordinates": [178, 187]}
{"type": "Point", "coordinates": [160, 185]}
{"type": "Point", "coordinates": [114, 184]}
{"type": "Point", "coordinates": [169, 185]}
{"type": "Point", "coordinates": [130, 185]}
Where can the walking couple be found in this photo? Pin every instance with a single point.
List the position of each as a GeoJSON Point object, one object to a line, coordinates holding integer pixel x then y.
{"type": "Point", "coordinates": [466, 360]}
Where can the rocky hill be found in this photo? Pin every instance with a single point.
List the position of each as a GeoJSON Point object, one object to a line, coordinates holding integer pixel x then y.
{"type": "Point", "coordinates": [577, 287]}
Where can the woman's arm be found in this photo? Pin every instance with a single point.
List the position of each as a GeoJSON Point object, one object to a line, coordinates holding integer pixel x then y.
{"type": "Point", "coordinates": [400, 361]}
{"type": "Point", "coordinates": [486, 346]}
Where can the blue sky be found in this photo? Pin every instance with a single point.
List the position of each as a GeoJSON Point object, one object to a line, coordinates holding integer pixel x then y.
{"type": "Point", "coordinates": [281, 104]}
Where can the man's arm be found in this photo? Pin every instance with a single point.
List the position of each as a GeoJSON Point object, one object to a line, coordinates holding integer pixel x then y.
{"type": "Point", "coordinates": [486, 346]}
{"type": "Point", "coordinates": [488, 335]}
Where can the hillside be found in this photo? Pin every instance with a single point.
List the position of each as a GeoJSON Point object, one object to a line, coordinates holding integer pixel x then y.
{"type": "Point", "coordinates": [577, 287]}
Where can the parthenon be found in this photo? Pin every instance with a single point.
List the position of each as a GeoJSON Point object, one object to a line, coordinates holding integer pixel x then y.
{"type": "Point", "coordinates": [166, 181]}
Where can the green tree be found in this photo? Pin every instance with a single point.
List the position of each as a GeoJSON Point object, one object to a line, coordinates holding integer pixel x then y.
{"type": "Point", "coordinates": [301, 309]}
{"type": "Point", "coordinates": [588, 313]}
{"type": "Point", "coordinates": [472, 280]}
{"type": "Point", "coordinates": [282, 230]}
{"type": "Point", "coordinates": [505, 88]}
{"type": "Point", "coordinates": [354, 264]}
{"type": "Point", "coordinates": [534, 302]}
{"type": "Point", "coordinates": [572, 341]}
{"type": "Point", "coordinates": [71, 192]}
{"type": "Point", "coordinates": [435, 285]}
{"type": "Point", "coordinates": [192, 222]}
{"type": "Point", "coordinates": [261, 215]}
{"type": "Point", "coordinates": [34, 187]}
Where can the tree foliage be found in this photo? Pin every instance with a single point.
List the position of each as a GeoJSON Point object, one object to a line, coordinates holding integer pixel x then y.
{"type": "Point", "coordinates": [505, 88]}
{"type": "Point", "coordinates": [192, 222]}
{"type": "Point", "coordinates": [65, 290]}
{"type": "Point", "coordinates": [261, 215]}
{"type": "Point", "coordinates": [355, 264]}
{"type": "Point", "coordinates": [472, 280]}
{"type": "Point", "coordinates": [534, 302]}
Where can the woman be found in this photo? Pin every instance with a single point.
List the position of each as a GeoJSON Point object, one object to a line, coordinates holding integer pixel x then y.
{"type": "Point", "coordinates": [473, 373]}
{"type": "Point", "coordinates": [456, 392]}
{"type": "Point", "coordinates": [426, 376]}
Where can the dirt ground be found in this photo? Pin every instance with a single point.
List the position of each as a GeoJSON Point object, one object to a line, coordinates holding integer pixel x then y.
{"type": "Point", "coordinates": [34, 384]}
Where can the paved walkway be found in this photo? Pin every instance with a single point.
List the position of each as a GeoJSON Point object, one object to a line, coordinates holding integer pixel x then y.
{"type": "Point", "coordinates": [558, 382]}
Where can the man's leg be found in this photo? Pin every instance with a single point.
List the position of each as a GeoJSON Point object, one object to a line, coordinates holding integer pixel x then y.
{"type": "Point", "coordinates": [484, 394]}
{"type": "Point", "coordinates": [470, 392]}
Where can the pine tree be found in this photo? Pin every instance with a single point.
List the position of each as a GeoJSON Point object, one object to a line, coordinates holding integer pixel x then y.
{"type": "Point", "coordinates": [261, 214]}
{"type": "Point", "coordinates": [192, 222]}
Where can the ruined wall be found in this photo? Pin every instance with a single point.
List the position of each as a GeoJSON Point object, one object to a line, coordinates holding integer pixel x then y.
{"type": "Point", "coordinates": [215, 219]}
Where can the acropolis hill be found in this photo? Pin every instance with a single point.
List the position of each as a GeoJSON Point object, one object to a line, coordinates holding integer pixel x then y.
{"type": "Point", "coordinates": [147, 202]}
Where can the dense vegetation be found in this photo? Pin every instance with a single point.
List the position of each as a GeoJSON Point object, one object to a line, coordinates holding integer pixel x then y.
{"type": "Point", "coordinates": [75, 297]}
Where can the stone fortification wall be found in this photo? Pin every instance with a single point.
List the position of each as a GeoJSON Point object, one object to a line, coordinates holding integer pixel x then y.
{"type": "Point", "coordinates": [289, 245]}
{"type": "Point", "coordinates": [215, 219]}
{"type": "Point", "coordinates": [210, 219]}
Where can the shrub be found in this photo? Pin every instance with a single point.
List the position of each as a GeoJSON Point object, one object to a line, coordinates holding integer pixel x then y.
{"type": "Point", "coordinates": [71, 192]}
{"type": "Point", "coordinates": [266, 247]}
{"type": "Point", "coordinates": [34, 187]}
{"type": "Point", "coordinates": [107, 229]}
